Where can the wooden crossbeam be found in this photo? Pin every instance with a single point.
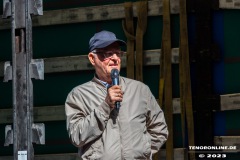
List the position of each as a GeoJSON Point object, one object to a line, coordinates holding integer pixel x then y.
{"type": "Point", "coordinates": [57, 113]}
{"type": "Point", "coordinates": [227, 102]}
{"type": "Point", "coordinates": [81, 62]}
{"type": "Point", "coordinates": [232, 4]}
{"type": "Point", "coordinates": [230, 101]}
{"type": "Point", "coordinates": [233, 141]}
{"type": "Point", "coordinates": [105, 12]}
{"type": "Point", "coordinates": [66, 156]}
{"type": "Point", "coordinates": [178, 155]}
{"type": "Point", "coordinates": [93, 13]}
{"type": "Point", "coordinates": [40, 114]}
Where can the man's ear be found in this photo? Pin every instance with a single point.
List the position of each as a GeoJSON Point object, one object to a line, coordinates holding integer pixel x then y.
{"type": "Point", "coordinates": [91, 58]}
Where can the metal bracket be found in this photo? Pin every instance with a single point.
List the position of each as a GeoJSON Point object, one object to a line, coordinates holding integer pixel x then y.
{"type": "Point", "coordinates": [37, 69]}
{"type": "Point", "coordinates": [6, 9]}
{"type": "Point", "coordinates": [7, 71]}
{"type": "Point", "coordinates": [38, 134]}
{"type": "Point", "coordinates": [8, 135]}
{"type": "Point", "coordinates": [36, 7]}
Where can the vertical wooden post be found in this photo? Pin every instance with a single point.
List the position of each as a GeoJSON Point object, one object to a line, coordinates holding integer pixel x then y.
{"type": "Point", "coordinates": [24, 132]}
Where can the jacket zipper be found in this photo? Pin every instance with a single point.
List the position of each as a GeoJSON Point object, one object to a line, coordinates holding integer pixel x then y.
{"type": "Point", "coordinates": [120, 139]}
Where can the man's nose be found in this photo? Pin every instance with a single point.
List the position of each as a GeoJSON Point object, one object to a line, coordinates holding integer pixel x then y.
{"type": "Point", "coordinates": [114, 56]}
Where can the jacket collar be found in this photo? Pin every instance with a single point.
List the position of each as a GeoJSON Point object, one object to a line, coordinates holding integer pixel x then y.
{"type": "Point", "coordinates": [121, 82]}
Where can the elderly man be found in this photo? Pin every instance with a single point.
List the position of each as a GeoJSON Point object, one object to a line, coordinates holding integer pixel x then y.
{"type": "Point", "coordinates": [136, 130]}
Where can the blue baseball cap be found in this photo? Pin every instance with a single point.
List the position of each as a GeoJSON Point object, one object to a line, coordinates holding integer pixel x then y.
{"type": "Point", "coordinates": [103, 39]}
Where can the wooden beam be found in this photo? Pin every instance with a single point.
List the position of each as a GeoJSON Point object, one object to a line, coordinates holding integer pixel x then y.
{"type": "Point", "coordinates": [57, 113]}
{"type": "Point", "coordinates": [227, 102]}
{"type": "Point", "coordinates": [104, 12]}
{"type": "Point", "coordinates": [66, 156]}
{"type": "Point", "coordinates": [81, 62]}
{"type": "Point", "coordinates": [230, 101]}
{"type": "Point", "coordinates": [40, 114]}
{"type": "Point", "coordinates": [66, 64]}
{"type": "Point", "coordinates": [230, 141]}
{"type": "Point", "coordinates": [93, 13]}
{"type": "Point", "coordinates": [232, 4]}
{"type": "Point", "coordinates": [179, 154]}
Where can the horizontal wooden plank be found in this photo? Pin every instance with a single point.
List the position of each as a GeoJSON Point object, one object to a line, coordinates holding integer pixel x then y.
{"type": "Point", "coordinates": [93, 13]}
{"type": "Point", "coordinates": [230, 101]}
{"type": "Point", "coordinates": [66, 64]}
{"type": "Point", "coordinates": [227, 102]}
{"type": "Point", "coordinates": [67, 156]}
{"type": "Point", "coordinates": [230, 141]}
{"type": "Point", "coordinates": [40, 114]}
{"type": "Point", "coordinates": [105, 12]}
{"type": "Point", "coordinates": [81, 62]}
{"type": "Point", "coordinates": [179, 154]}
{"type": "Point", "coordinates": [57, 113]}
{"type": "Point", "coordinates": [229, 4]}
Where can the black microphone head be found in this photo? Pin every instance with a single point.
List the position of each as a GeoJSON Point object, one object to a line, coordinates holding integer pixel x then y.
{"type": "Point", "coordinates": [115, 81]}
{"type": "Point", "coordinates": [115, 76]}
{"type": "Point", "coordinates": [114, 73]}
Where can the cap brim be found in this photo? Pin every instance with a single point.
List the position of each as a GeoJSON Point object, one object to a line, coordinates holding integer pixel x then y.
{"type": "Point", "coordinates": [107, 43]}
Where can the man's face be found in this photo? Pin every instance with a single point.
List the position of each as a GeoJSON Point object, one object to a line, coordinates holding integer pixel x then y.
{"type": "Point", "coordinates": [106, 59]}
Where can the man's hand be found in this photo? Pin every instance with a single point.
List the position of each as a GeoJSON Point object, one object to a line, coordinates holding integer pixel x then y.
{"type": "Point", "coordinates": [114, 94]}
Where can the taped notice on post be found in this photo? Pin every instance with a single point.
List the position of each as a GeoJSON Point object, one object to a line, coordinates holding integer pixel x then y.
{"type": "Point", "coordinates": [22, 155]}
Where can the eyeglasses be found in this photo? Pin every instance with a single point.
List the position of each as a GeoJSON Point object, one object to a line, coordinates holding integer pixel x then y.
{"type": "Point", "coordinates": [109, 54]}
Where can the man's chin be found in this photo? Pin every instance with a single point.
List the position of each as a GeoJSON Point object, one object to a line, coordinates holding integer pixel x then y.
{"type": "Point", "coordinates": [115, 67]}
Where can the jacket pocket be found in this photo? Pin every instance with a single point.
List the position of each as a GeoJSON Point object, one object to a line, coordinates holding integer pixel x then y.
{"type": "Point", "coordinates": [94, 151]}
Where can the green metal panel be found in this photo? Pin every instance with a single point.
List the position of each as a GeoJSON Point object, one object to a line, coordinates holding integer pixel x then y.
{"type": "Point", "coordinates": [5, 45]}
{"type": "Point", "coordinates": [232, 50]}
{"type": "Point", "coordinates": [232, 123]}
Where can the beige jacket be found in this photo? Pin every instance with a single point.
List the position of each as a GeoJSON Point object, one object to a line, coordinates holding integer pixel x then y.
{"type": "Point", "coordinates": [136, 132]}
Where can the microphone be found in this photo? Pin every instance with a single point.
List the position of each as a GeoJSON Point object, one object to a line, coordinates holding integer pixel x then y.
{"type": "Point", "coordinates": [115, 81]}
